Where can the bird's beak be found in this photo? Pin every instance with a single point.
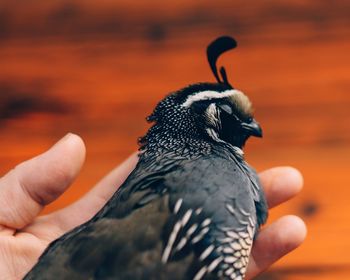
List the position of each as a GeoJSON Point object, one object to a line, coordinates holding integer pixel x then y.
{"type": "Point", "coordinates": [253, 128]}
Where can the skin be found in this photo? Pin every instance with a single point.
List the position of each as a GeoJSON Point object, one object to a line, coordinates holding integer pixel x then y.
{"type": "Point", "coordinates": [26, 189]}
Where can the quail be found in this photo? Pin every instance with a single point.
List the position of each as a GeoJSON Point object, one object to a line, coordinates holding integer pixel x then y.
{"type": "Point", "coordinates": [192, 206]}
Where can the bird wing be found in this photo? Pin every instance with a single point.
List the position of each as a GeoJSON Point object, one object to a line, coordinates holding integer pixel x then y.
{"type": "Point", "coordinates": [122, 241]}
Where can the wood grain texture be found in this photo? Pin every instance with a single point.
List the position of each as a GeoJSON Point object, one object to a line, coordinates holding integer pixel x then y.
{"type": "Point", "coordinates": [97, 68]}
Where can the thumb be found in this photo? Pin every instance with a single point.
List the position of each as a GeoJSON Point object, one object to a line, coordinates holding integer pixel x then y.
{"type": "Point", "coordinates": [26, 189]}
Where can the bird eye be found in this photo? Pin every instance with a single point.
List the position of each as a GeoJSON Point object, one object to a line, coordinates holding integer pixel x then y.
{"type": "Point", "coordinates": [226, 108]}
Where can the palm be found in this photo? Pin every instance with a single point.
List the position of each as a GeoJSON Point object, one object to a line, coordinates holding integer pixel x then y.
{"type": "Point", "coordinates": [24, 235]}
{"type": "Point", "coordinates": [18, 253]}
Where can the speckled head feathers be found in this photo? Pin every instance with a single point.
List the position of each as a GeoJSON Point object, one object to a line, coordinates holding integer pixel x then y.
{"type": "Point", "coordinates": [214, 111]}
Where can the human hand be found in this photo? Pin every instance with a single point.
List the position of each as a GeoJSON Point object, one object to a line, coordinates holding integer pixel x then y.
{"type": "Point", "coordinates": [26, 189]}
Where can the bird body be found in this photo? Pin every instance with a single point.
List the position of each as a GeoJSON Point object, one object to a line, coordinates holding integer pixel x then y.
{"type": "Point", "coordinates": [190, 209]}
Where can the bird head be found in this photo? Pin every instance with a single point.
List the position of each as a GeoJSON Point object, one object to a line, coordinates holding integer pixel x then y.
{"type": "Point", "coordinates": [224, 114]}
{"type": "Point", "coordinates": [214, 111]}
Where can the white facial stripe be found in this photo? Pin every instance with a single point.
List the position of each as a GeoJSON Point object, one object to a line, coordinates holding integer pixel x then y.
{"type": "Point", "coordinates": [209, 94]}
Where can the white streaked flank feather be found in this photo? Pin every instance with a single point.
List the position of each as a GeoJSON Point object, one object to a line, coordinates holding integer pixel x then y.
{"type": "Point", "coordinates": [206, 252]}
{"type": "Point", "coordinates": [171, 241]}
{"type": "Point", "coordinates": [178, 205]}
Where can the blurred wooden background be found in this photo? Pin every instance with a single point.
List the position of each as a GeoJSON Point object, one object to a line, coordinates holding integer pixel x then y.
{"type": "Point", "coordinates": [97, 68]}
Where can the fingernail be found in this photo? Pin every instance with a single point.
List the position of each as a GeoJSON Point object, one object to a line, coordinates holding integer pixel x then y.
{"type": "Point", "coordinates": [63, 139]}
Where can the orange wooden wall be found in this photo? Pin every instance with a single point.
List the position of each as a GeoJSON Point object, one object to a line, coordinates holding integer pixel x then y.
{"type": "Point", "coordinates": [97, 68]}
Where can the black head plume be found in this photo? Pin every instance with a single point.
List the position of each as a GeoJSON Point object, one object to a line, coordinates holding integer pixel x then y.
{"type": "Point", "coordinates": [214, 50]}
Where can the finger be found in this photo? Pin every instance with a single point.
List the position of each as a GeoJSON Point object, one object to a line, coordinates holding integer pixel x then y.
{"type": "Point", "coordinates": [281, 184]}
{"type": "Point", "coordinates": [104, 189]}
{"type": "Point", "coordinates": [275, 241]}
{"type": "Point", "coordinates": [36, 182]}
{"type": "Point", "coordinates": [86, 207]}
